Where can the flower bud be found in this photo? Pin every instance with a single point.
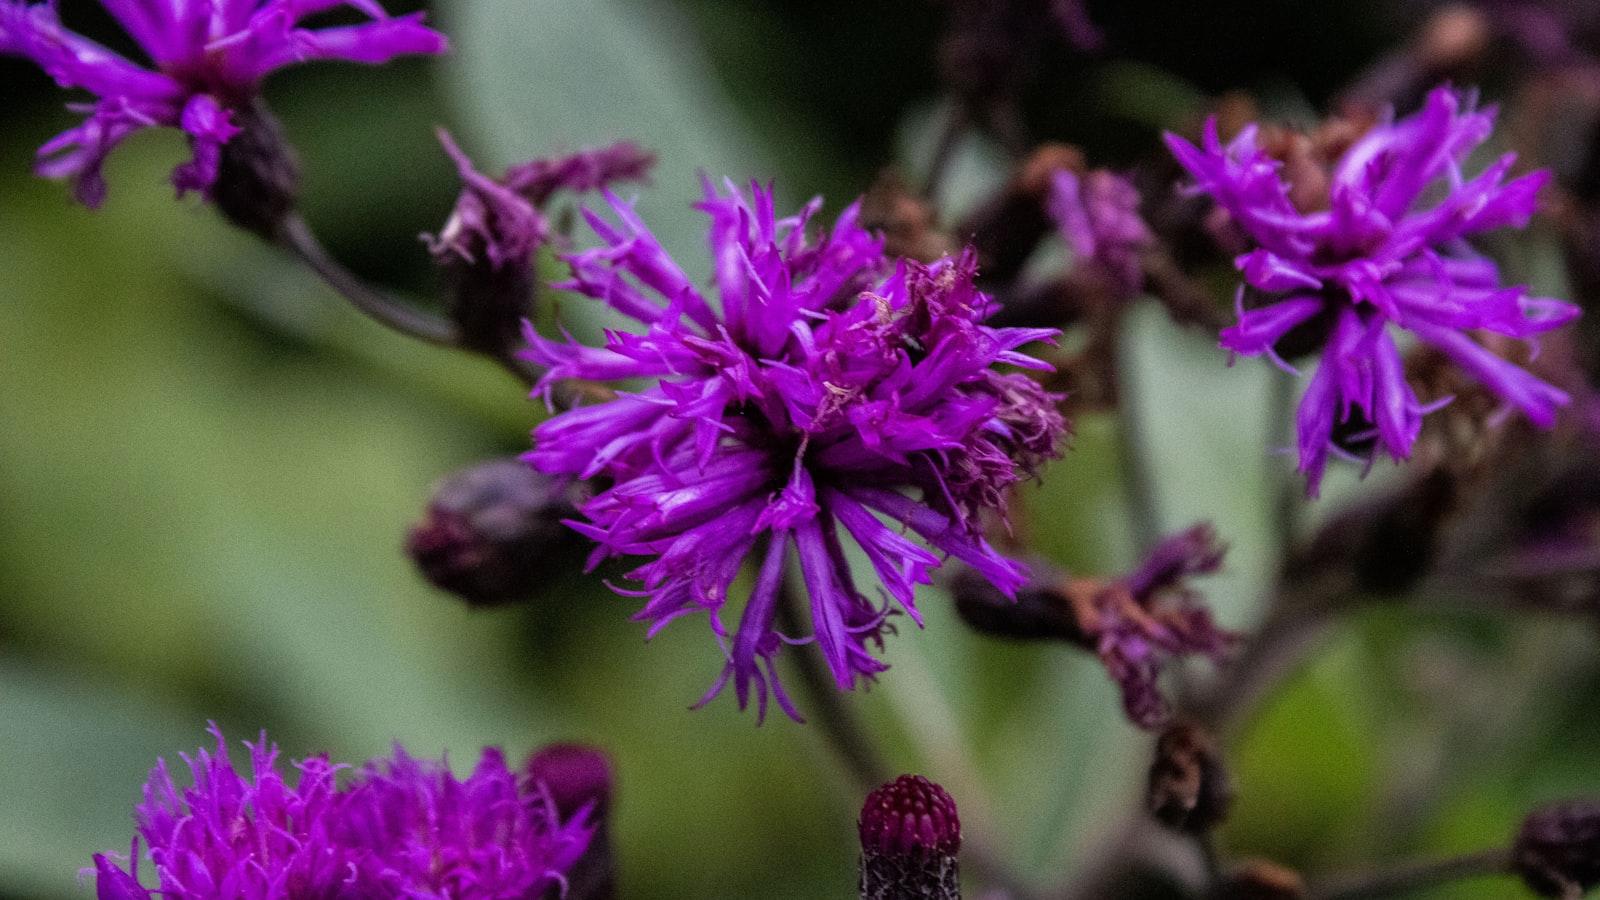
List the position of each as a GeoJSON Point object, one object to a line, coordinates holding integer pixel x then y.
{"type": "Point", "coordinates": [577, 777]}
{"type": "Point", "coordinates": [1189, 787]}
{"type": "Point", "coordinates": [910, 838]}
{"type": "Point", "coordinates": [486, 250]}
{"type": "Point", "coordinates": [1260, 880]}
{"type": "Point", "coordinates": [493, 533]}
{"type": "Point", "coordinates": [1557, 852]}
{"type": "Point", "coordinates": [258, 179]}
{"type": "Point", "coordinates": [1041, 611]}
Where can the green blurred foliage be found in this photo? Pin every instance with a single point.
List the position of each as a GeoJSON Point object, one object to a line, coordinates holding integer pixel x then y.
{"type": "Point", "coordinates": [207, 465]}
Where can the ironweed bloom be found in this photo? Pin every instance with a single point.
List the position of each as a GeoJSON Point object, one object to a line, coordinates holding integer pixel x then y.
{"type": "Point", "coordinates": [1385, 248]}
{"type": "Point", "coordinates": [208, 60]}
{"type": "Point", "coordinates": [403, 828]}
{"type": "Point", "coordinates": [797, 413]}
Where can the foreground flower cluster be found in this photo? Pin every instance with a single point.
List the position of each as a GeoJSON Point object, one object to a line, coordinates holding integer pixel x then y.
{"type": "Point", "coordinates": [1379, 251]}
{"type": "Point", "coordinates": [208, 56]}
{"type": "Point", "coordinates": [798, 412]}
{"type": "Point", "coordinates": [403, 827]}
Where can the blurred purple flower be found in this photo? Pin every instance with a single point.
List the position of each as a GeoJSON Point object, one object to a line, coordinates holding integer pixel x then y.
{"type": "Point", "coordinates": [1376, 257]}
{"type": "Point", "coordinates": [1151, 616]}
{"type": "Point", "coordinates": [819, 392]}
{"type": "Point", "coordinates": [1073, 18]}
{"type": "Point", "coordinates": [209, 58]}
{"type": "Point", "coordinates": [404, 828]}
{"type": "Point", "coordinates": [1098, 216]}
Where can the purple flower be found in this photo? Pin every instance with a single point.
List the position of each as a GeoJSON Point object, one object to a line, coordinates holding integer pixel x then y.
{"type": "Point", "coordinates": [499, 223]}
{"type": "Point", "coordinates": [797, 413]}
{"type": "Point", "coordinates": [1141, 621]}
{"type": "Point", "coordinates": [1098, 215]}
{"type": "Point", "coordinates": [208, 56]}
{"type": "Point", "coordinates": [404, 828]}
{"type": "Point", "coordinates": [1389, 249]}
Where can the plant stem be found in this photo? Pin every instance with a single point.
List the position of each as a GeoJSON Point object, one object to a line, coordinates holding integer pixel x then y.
{"type": "Point", "coordinates": [844, 731]}
{"type": "Point", "coordinates": [296, 235]}
{"type": "Point", "coordinates": [1415, 876]}
{"type": "Point", "coordinates": [1138, 481]}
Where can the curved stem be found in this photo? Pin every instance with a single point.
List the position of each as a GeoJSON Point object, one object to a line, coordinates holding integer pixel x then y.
{"type": "Point", "coordinates": [296, 234]}
{"type": "Point", "coordinates": [1416, 876]}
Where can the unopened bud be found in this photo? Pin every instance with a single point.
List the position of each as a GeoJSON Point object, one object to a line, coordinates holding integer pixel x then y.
{"type": "Point", "coordinates": [1557, 852]}
{"type": "Point", "coordinates": [910, 839]}
{"type": "Point", "coordinates": [258, 179]}
{"type": "Point", "coordinates": [1189, 787]}
{"type": "Point", "coordinates": [493, 533]}
{"type": "Point", "coordinates": [575, 775]}
{"type": "Point", "coordinates": [579, 778]}
{"type": "Point", "coordinates": [1041, 610]}
{"type": "Point", "coordinates": [1260, 880]}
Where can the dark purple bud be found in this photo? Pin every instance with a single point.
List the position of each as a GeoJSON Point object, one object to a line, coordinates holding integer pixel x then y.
{"type": "Point", "coordinates": [1009, 228]}
{"type": "Point", "coordinates": [1557, 852]}
{"type": "Point", "coordinates": [575, 775]}
{"type": "Point", "coordinates": [258, 176]}
{"type": "Point", "coordinates": [1041, 610]}
{"type": "Point", "coordinates": [578, 778]}
{"type": "Point", "coordinates": [910, 839]}
{"type": "Point", "coordinates": [1260, 880]}
{"type": "Point", "coordinates": [494, 533]}
{"type": "Point", "coordinates": [1189, 788]}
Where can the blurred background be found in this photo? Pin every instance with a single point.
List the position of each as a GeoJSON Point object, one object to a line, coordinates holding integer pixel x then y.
{"type": "Point", "coordinates": [208, 465]}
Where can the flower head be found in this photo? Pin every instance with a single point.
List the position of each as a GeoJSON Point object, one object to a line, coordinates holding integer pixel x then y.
{"type": "Point", "coordinates": [1385, 248]}
{"type": "Point", "coordinates": [1098, 215]}
{"type": "Point", "coordinates": [404, 828]}
{"type": "Point", "coordinates": [797, 413]}
{"type": "Point", "coordinates": [207, 60]}
{"type": "Point", "coordinates": [1141, 621]}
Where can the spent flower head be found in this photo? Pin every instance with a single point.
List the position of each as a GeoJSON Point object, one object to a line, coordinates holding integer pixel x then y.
{"type": "Point", "coordinates": [206, 58]}
{"type": "Point", "coordinates": [825, 398]}
{"type": "Point", "coordinates": [1383, 249]}
{"type": "Point", "coordinates": [403, 828]}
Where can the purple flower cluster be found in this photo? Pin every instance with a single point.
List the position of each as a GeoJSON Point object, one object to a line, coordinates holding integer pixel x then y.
{"type": "Point", "coordinates": [1098, 215]}
{"type": "Point", "coordinates": [209, 57]}
{"type": "Point", "coordinates": [796, 413]}
{"type": "Point", "coordinates": [403, 828]}
{"type": "Point", "coordinates": [1388, 249]}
